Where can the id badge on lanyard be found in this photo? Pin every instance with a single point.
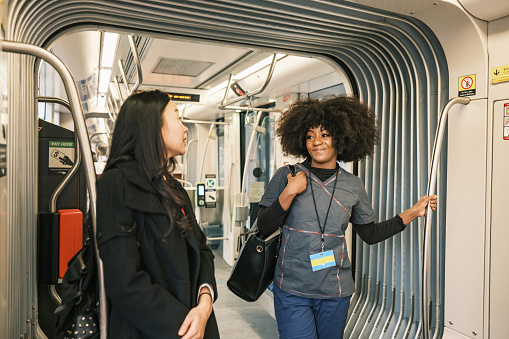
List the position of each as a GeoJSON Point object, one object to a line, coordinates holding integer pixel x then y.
{"type": "Point", "coordinates": [324, 259]}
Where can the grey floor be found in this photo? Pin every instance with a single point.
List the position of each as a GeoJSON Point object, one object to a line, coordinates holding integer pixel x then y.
{"type": "Point", "coordinates": [237, 318]}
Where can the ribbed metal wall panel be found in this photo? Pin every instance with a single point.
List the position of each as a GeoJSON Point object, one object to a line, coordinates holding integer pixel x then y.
{"type": "Point", "coordinates": [397, 67]}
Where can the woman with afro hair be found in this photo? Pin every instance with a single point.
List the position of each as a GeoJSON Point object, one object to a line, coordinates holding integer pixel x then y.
{"type": "Point", "coordinates": [313, 207]}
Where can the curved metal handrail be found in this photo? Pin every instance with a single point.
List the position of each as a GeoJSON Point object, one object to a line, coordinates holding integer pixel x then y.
{"type": "Point", "coordinates": [121, 95]}
{"type": "Point", "coordinates": [68, 176]}
{"type": "Point", "coordinates": [124, 77]}
{"type": "Point", "coordinates": [136, 57]}
{"type": "Point", "coordinates": [97, 134]}
{"type": "Point", "coordinates": [137, 61]}
{"type": "Point", "coordinates": [427, 228]}
{"type": "Point", "coordinates": [250, 109]}
{"type": "Point", "coordinates": [81, 132]}
{"type": "Point", "coordinates": [248, 94]}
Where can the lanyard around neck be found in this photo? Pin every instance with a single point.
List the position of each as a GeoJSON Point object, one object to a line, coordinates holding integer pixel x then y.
{"type": "Point", "coordinates": [322, 229]}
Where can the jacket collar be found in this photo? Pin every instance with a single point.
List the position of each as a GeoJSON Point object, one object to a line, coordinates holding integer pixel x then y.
{"type": "Point", "coordinates": [135, 175]}
{"type": "Point", "coordinates": [140, 195]}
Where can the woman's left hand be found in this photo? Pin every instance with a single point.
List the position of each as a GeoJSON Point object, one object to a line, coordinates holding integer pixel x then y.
{"type": "Point", "coordinates": [422, 205]}
{"type": "Point", "coordinates": [419, 209]}
{"type": "Point", "coordinates": [194, 324]}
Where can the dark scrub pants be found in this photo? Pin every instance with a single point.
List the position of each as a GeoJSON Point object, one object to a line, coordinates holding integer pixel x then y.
{"type": "Point", "coordinates": [307, 318]}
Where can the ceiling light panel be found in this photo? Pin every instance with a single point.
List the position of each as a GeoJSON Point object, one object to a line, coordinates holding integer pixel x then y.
{"type": "Point", "coordinates": [182, 67]}
{"type": "Point", "coordinates": [109, 47]}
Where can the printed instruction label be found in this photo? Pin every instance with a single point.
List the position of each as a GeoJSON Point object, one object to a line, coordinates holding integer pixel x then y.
{"type": "Point", "coordinates": [506, 121]}
{"type": "Point", "coordinates": [210, 191]}
{"type": "Point", "coordinates": [61, 156]}
{"type": "Point", "coordinates": [499, 74]}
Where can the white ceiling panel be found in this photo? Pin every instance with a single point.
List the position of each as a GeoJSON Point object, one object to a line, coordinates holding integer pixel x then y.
{"type": "Point", "coordinates": [185, 55]}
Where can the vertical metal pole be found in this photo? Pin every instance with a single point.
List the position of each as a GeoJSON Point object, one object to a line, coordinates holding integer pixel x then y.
{"type": "Point", "coordinates": [122, 72]}
{"type": "Point", "coordinates": [427, 228]}
{"type": "Point", "coordinates": [117, 85]}
{"type": "Point", "coordinates": [137, 61]}
{"type": "Point", "coordinates": [81, 131]}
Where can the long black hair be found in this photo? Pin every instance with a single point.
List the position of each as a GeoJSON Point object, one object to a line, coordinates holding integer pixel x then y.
{"type": "Point", "coordinates": [137, 135]}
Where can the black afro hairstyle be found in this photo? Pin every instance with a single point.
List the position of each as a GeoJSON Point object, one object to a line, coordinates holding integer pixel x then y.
{"type": "Point", "coordinates": [351, 124]}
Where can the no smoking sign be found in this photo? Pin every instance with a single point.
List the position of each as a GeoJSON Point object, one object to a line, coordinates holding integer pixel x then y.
{"type": "Point", "coordinates": [466, 85]}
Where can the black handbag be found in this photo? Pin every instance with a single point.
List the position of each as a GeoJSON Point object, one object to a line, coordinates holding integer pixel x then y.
{"type": "Point", "coordinates": [78, 316]}
{"type": "Point", "coordinates": [254, 269]}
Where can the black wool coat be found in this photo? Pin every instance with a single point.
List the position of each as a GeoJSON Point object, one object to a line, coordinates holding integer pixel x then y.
{"type": "Point", "coordinates": [151, 277]}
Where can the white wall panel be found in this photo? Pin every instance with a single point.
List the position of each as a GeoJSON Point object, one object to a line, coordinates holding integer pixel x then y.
{"type": "Point", "coordinates": [465, 227]}
{"type": "Point", "coordinates": [499, 273]}
{"type": "Point", "coordinates": [499, 233]}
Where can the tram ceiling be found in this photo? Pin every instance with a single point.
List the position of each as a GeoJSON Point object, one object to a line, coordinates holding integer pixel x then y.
{"type": "Point", "coordinates": [394, 60]}
{"type": "Point", "coordinates": [316, 27]}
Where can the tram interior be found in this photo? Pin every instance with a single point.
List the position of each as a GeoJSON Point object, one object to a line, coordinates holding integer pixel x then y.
{"type": "Point", "coordinates": [411, 61]}
{"type": "Point", "coordinates": [196, 75]}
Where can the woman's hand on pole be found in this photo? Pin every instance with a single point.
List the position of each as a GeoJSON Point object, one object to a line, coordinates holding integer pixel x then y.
{"type": "Point", "coordinates": [419, 209]}
{"type": "Point", "coordinates": [296, 185]}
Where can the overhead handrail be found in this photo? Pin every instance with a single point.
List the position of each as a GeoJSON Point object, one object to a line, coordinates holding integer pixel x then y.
{"type": "Point", "coordinates": [100, 115]}
{"type": "Point", "coordinates": [110, 115]}
{"type": "Point", "coordinates": [98, 133]}
{"type": "Point", "coordinates": [113, 106]}
{"type": "Point", "coordinates": [137, 61]}
{"type": "Point", "coordinates": [250, 109]}
{"type": "Point", "coordinates": [187, 121]}
{"type": "Point", "coordinates": [115, 80]}
{"type": "Point", "coordinates": [122, 72]}
{"type": "Point", "coordinates": [111, 111]}
{"type": "Point", "coordinates": [60, 187]}
{"type": "Point", "coordinates": [81, 131]}
{"type": "Point", "coordinates": [248, 94]}
{"type": "Point", "coordinates": [427, 228]}
{"type": "Point", "coordinates": [53, 100]}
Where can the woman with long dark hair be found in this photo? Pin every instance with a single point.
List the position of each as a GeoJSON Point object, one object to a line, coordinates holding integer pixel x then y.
{"type": "Point", "coordinates": [158, 270]}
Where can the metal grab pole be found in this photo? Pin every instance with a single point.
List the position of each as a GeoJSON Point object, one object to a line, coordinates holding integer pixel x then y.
{"type": "Point", "coordinates": [427, 228]}
{"type": "Point", "coordinates": [137, 61]}
{"type": "Point", "coordinates": [86, 152]}
{"type": "Point", "coordinates": [124, 77]}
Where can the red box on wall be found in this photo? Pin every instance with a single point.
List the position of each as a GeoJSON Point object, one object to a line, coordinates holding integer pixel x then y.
{"type": "Point", "coordinates": [71, 237]}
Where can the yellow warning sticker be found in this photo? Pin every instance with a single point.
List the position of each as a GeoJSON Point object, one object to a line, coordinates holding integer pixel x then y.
{"type": "Point", "coordinates": [499, 74]}
{"type": "Point", "coordinates": [466, 85]}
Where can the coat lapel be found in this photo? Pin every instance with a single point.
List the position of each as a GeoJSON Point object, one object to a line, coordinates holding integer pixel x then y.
{"type": "Point", "coordinates": [141, 196]}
